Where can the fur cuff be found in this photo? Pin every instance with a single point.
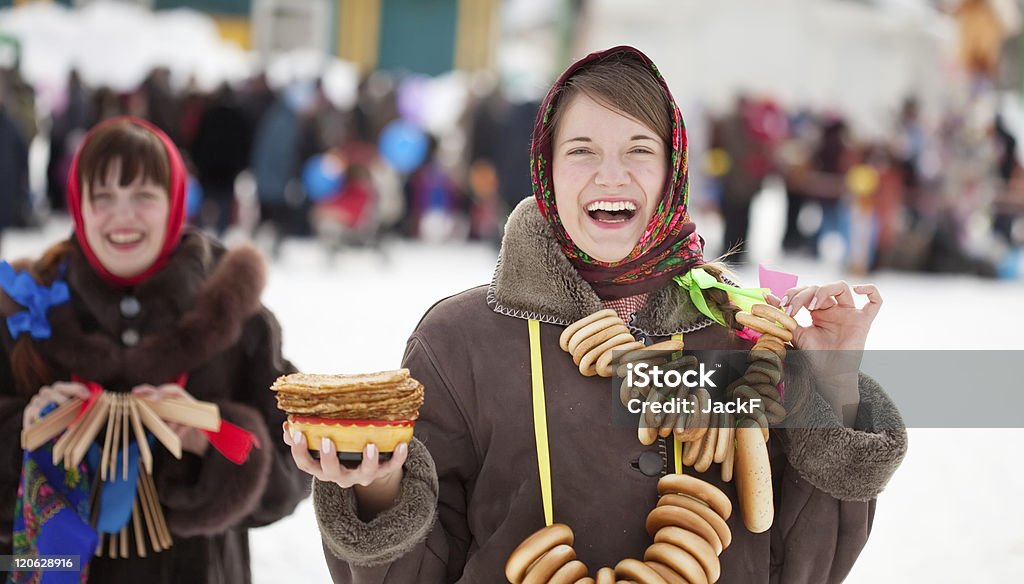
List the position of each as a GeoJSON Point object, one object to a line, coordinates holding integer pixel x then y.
{"type": "Point", "coordinates": [851, 464]}
{"type": "Point", "coordinates": [393, 533]}
{"type": "Point", "coordinates": [223, 493]}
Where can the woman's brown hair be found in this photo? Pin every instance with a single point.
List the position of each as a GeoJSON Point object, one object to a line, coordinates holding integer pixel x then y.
{"type": "Point", "coordinates": [622, 82]}
{"type": "Point", "coordinates": [140, 152]}
{"type": "Point", "coordinates": [28, 367]}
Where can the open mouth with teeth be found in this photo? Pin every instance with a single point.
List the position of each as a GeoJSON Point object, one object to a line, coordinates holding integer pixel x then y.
{"type": "Point", "coordinates": [125, 240]}
{"type": "Point", "coordinates": [611, 211]}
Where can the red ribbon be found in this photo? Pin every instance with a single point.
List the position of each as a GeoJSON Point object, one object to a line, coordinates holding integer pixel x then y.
{"type": "Point", "coordinates": [234, 442]}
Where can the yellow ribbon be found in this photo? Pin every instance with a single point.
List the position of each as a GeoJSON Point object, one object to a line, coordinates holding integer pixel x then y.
{"type": "Point", "coordinates": [540, 421]}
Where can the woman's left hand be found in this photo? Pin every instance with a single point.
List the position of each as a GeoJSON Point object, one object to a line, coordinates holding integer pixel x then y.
{"type": "Point", "coordinates": [192, 440]}
{"type": "Point", "coordinates": [835, 339]}
{"type": "Point", "coordinates": [836, 322]}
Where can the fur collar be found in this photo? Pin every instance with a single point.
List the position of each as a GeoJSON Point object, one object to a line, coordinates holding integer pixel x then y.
{"type": "Point", "coordinates": [534, 280]}
{"type": "Point", "coordinates": [193, 309]}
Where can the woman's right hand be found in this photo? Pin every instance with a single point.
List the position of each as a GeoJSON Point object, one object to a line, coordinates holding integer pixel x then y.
{"type": "Point", "coordinates": [376, 485]}
{"type": "Point", "coordinates": [58, 393]}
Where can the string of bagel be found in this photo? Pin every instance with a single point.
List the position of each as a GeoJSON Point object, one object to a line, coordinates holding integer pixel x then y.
{"type": "Point", "coordinates": [688, 526]}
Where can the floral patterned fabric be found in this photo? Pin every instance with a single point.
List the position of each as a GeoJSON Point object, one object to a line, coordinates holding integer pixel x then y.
{"type": "Point", "coordinates": [669, 245]}
{"type": "Point", "coordinates": [51, 516]}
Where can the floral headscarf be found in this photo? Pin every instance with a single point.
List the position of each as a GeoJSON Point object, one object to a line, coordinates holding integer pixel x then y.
{"type": "Point", "coordinates": [669, 245]}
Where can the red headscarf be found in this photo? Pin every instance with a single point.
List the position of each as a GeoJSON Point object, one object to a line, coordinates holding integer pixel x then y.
{"type": "Point", "coordinates": [668, 246]}
{"type": "Point", "coordinates": [175, 215]}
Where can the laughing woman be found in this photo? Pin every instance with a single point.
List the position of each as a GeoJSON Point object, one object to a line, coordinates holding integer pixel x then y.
{"type": "Point", "coordinates": [132, 303]}
{"type": "Point", "coordinates": [607, 228]}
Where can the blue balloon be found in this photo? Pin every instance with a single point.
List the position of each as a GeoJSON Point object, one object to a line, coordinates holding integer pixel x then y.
{"type": "Point", "coordinates": [322, 176]}
{"type": "Point", "coordinates": [193, 197]}
{"type": "Point", "coordinates": [403, 145]}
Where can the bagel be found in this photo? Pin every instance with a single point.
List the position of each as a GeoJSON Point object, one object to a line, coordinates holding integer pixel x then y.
{"type": "Point", "coordinates": [700, 549]}
{"type": "Point", "coordinates": [606, 361]}
{"type": "Point", "coordinates": [771, 343]}
{"type": "Point", "coordinates": [672, 515]}
{"type": "Point", "coordinates": [563, 339]}
{"type": "Point", "coordinates": [726, 426]}
{"type": "Point", "coordinates": [669, 423]}
{"type": "Point", "coordinates": [660, 351]}
{"type": "Point", "coordinates": [590, 330]}
{"type": "Point", "coordinates": [605, 576]}
{"type": "Point", "coordinates": [589, 361]}
{"type": "Point", "coordinates": [768, 390]}
{"type": "Point", "coordinates": [730, 458]}
{"type": "Point", "coordinates": [764, 326]}
{"type": "Point", "coordinates": [770, 357]}
{"type": "Point", "coordinates": [667, 574]}
{"type": "Point", "coordinates": [535, 546]}
{"type": "Point", "coordinates": [637, 571]}
{"type": "Point", "coordinates": [697, 420]}
{"type": "Point", "coordinates": [681, 430]}
{"type": "Point", "coordinates": [774, 373]}
{"type": "Point", "coordinates": [596, 339]}
{"type": "Point", "coordinates": [697, 488]}
{"type": "Point", "coordinates": [747, 393]}
{"type": "Point", "coordinates": [769, 312]}
{"type": "Point", "coordinates": [553, 561]}
{"type": "Point", "coordinates": [691, 450]}
{"type": "Point", "coordinates": [679, 560]}
{"type": "Point", "coordinates": [753, 478]}
{"type": "Point", "coordinates": [708, 445]}
{"type": "Point", "coordinates": [701, 508]}
{"type": "Point", "coordinates": [570, 573]}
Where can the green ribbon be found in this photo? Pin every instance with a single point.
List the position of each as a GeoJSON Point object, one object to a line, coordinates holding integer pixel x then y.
{"type": "Point", "coordinates": [698, 279]}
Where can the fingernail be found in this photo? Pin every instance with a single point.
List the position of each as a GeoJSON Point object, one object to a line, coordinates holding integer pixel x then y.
{"type": "Point", "coordinates": [326, 445]}
{"type": "Point", "coordinates": [785, 299]}
{"type": "Point", "coordinates": [371, 450]}
{"type": "Point", "coordinates": [296, 437]}
{"type": "Point", "coordinates": [814, 302]}
{"type": "Point", "coordinates": [402, 448]}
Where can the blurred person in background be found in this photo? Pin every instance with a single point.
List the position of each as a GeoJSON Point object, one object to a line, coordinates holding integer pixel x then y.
{"type": "Point", "coordinates": [434, 205]}
{"type": "Point", "coordinates": [159, 311]}
{"type": "Point", "coordinates": [20, 101]}
{"type": "Point", "coordinates": [348, 217]}
{"type": "Point", "coordinates": [162, 106]}
{"type": "Point", "coordinates": [747, 135]}
{"type": "Point", "coordinates": [794, 157]}
{"type": "Point", "coordinates": [14, 187]}
{"type": "Point", "coordinates": [69, 125]}
{"type": "Point", "coordinates": [832, 159]}
{"type": "Point", "coordinates": [220, 153]}
{"type": "Point", "coordinates": [275, 165]}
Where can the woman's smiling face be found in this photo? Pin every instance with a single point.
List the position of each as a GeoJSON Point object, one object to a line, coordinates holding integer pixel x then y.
{"type": "Point", "coordinates": [125, 225]}
{"type": "Point", "coordinates": [608, 173]}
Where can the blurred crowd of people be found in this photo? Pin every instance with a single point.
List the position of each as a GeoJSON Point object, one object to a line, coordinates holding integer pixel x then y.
{"type": "Point", "coordinates": [945, 197]}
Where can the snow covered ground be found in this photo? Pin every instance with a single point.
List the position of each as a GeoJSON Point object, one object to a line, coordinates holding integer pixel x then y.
{"type": "Point", "coordinates": [951, 513]}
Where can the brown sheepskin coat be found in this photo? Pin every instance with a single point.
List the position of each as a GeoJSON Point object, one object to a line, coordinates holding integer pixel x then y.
{"type": "Point", "coordinates": [471, 489]}
{"type": "Point", "coordinates": [202, 315]}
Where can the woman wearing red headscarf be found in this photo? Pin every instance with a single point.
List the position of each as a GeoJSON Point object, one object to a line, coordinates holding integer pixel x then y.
{"type": "Point", "coordinates": [133, 302]}
{"type": "Point", "coordinates": [607, 228]}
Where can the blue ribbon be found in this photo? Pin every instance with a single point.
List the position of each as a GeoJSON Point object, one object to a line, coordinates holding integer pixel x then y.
{"type": "Point", "coordinates": [36, 299]}
{"type": "Point", "coordinates": [118, 494]}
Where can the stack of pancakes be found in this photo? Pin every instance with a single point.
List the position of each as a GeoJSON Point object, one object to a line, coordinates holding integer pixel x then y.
{"type": "Point", "coordinates": [352, 410]}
